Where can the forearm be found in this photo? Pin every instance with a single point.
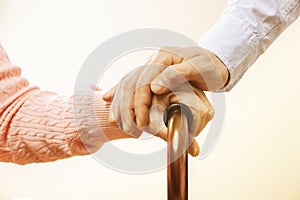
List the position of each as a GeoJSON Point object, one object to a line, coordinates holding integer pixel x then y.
{"type": "Point", "coordinates": [245, 30]}
{"type": "Point", "coordinates": [40, 126]}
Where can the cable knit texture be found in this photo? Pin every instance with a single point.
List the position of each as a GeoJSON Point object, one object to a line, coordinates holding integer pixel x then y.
{"type": "Point", "coordinates": [41, 126]}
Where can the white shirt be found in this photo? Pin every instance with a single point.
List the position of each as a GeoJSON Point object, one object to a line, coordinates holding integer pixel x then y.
{"type": "Point", "coordinates": [245, 30]}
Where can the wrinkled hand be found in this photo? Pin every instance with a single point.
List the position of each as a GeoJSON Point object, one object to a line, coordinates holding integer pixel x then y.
{"type": "Point", "coordinates": [165, 71]}
{"type": "Point", "coordinates": [123, 107]}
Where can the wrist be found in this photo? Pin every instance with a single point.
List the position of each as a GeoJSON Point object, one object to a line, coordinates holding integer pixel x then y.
{"type": "Point", "coordinates": [221, 71]}
{"type": "Point", "coordinates": [224, 72]}
{"type": "Point", "coordinates": [109, 130]}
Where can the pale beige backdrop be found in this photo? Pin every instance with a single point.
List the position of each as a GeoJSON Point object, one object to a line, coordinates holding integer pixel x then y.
{"type": "Point", "coordinates": [258, 156]}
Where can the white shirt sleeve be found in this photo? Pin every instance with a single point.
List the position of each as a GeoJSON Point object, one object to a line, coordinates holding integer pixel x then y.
{"type": "Point", "coordinates": [245, 30]}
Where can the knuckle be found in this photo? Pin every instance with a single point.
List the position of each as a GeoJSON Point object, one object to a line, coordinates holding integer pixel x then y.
{"type": "Point", "coordinates": [142, 99]}
{"type": "Point", "coordinates": [209, 112]}
{"type": "Point", "coordinates": [171, 73]}
{"type": "Point", "coordinates": [163, 59]}
{"type": "Point", "coordinates": [141, 82]}
{"type": "Point", "coordinates": [166, 56]}
{"type": "Point", "coordinates": [128, 126]}
{"type": "Point", "coordinates": [122, 84]}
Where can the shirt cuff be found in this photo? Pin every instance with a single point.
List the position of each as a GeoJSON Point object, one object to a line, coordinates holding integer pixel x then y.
{"type": "Point", "coordinates": [237, 51]}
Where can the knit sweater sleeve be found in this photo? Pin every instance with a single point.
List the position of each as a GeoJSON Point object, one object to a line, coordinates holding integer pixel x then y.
{"type": "Point", "coordinates": [42, 126]}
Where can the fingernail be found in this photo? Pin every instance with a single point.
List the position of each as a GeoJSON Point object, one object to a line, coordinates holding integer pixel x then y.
{"type": "Point", "coordinates": [196, 151]}
{"type": "Point", "coordinates": [156, 88]}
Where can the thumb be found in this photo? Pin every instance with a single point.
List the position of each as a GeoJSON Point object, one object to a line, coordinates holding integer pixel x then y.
{"type": "Point", "coordinates": [172, 77]}
{"type": "Point", "coordinates": [108, 96]}
{"type": "Point", "coordinates": [194, 148]}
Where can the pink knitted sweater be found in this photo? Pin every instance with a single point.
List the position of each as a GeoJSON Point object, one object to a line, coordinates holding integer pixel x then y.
{"type": "Point", "coordinates": [42, 126]}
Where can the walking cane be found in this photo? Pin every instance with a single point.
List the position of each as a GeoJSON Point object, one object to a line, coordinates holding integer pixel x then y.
{"type": "Point", "coordinates": [178, 118]}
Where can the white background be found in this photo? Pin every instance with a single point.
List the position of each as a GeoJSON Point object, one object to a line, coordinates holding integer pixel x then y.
{"type": "Point", "coordinates": [258, 156]}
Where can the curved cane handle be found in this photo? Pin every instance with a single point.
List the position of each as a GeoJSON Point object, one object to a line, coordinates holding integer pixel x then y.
{"type": "Point", "coordinates": [178, 118]}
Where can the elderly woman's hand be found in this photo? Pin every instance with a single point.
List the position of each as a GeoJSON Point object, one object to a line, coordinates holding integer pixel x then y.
{"type": "Point", "coordinates": [124, 107]}
{"type": "Point", "coordinates": [165, 71]}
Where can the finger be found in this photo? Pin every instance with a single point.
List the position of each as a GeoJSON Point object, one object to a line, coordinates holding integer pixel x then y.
{"type": "Point", "coordinates": [128, 124]}
{"type": "Point", "coordinates": [194, 148]}
{"type": "Point", "coordinates": [142, 101]}
{"type": "Point", "coordinates": [114, 115]}
{"type": "Point", "coordinates": [185, 94]}
{"type": "Point", "coordinates": [156, 113]}
{"type": "Point", "coordinates": [157, 126]}
{"type": "Point", "coordinates": [172, 77]}
{"type": "Point", "coordinates": [117, 94]}
{"type": "Point", "coordinates": [143, 94]}
{"type": "Point", "coordinates": [206, 110]}
{"type": "Point", "coordinates": [207, 72]}
{"type": "Point", "coordinates": [198, 103]}
{"type": "Point", "coordinates": [167, 56]}
{"type": "Point", "coordinates": [132, 75]}
{"type": "Point", "coordinates": [108, 96]}
{"type": "Point", "coordinates": [127, 115]}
